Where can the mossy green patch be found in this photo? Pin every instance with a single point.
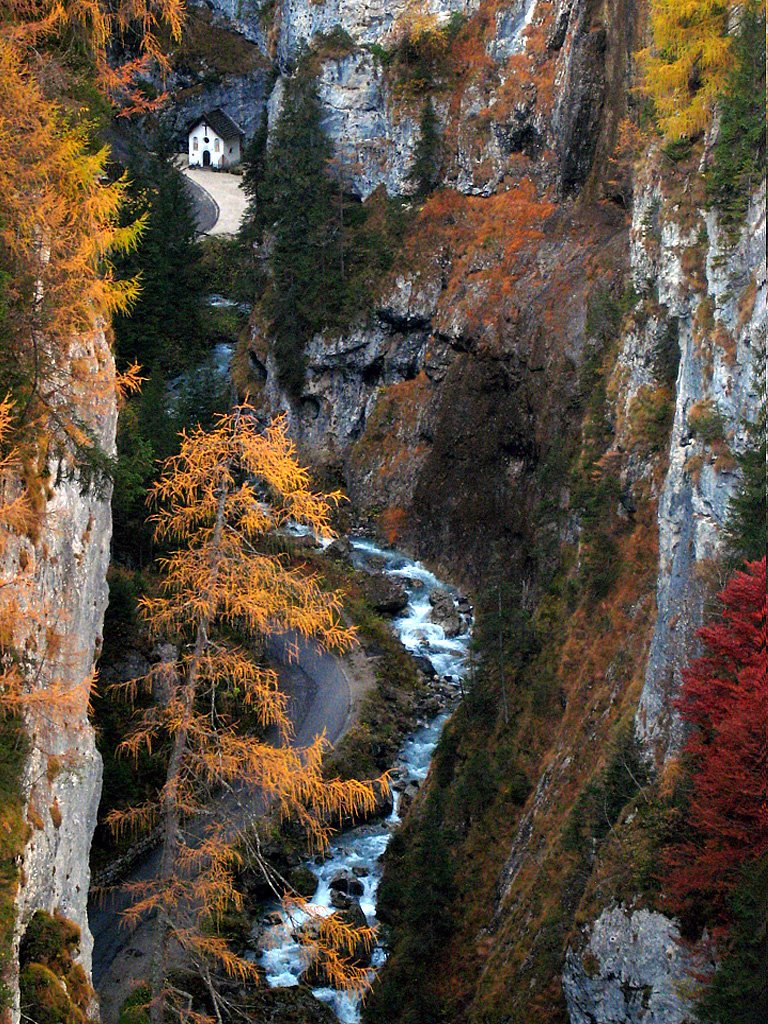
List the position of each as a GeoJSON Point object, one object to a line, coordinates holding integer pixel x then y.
{"type": "Point", "coordinates": [13, 834]}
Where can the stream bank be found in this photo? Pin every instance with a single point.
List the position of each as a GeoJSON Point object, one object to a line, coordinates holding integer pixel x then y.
{"type": "Point", "coordinates": [348, 878]}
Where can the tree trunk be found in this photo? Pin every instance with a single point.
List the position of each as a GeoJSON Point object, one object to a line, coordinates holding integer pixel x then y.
{"type": "Point", "coordinates": [170, 817]}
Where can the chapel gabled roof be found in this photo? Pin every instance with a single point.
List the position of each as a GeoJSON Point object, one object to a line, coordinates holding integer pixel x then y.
{"type": "Point", "coordinates": [221, 123]}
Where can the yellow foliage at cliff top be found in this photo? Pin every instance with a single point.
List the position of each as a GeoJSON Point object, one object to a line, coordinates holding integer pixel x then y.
{"type": "Point", "coordinates": [685, 68]}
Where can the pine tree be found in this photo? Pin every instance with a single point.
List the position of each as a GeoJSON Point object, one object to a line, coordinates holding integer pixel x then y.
{"type": "Point", "coordinates": [425, 172]}
{"type": "Point", "coordinates": [254, 171]}
{"type": "Point", "coordinates": [164, 327]}
{"type": "Point", "coordinates": [747, 526]}
{"type": "Point", "coordinates": [297, 207]}
{"type": "Point", "coordinates": [739, 157]}
{"type": "Point", "coordinates": [738, 993]}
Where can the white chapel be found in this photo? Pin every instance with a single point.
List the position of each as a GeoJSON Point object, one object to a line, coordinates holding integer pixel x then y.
{"type": "Point", "coordinates": [215, 140]}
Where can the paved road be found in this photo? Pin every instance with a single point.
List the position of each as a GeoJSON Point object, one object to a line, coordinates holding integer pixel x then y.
{"type": "Point", "coordinates": [220, 191]}
{"type": "Point", "coordinates": [324, 692]}
{"type": "Point", "coordinates": [206, 209]}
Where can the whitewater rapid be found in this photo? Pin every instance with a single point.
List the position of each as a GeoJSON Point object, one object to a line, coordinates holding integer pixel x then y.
{"type": "Point", "coordinates": [360, 850]}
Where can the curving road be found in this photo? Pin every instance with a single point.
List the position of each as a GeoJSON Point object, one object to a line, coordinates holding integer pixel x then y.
{"type": "Point", "coordinates": [324, 692]}
{"type": "Point", "coordinates": [206, 207]}
{"type": "Point", "coordinates": [220, 202]}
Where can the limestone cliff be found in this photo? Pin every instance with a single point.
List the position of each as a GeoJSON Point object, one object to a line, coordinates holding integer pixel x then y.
{"type": "Point", "coordinates": [457, 378]}
{"type": "Point", "coordinates": [60, 568]}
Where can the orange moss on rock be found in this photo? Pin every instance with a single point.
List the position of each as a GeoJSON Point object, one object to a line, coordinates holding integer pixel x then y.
{"type": "Point", "coordinates": [391, 524]}
{"type": "Point", "coordinates": [491, 241]}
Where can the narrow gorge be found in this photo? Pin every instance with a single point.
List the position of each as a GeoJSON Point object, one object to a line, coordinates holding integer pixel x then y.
{"type": "Point", "coordinates": [500, 284]}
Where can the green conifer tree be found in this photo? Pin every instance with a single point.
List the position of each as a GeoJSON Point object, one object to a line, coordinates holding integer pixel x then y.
{"type": "Point", "coordinates": [254, 170]}
{"type": "Point", "coordinates": [747, 528]}
{"type": "Point", "coordinates": [165, 327]}
{"type": "Point", "coordinates": [739, 990]}
{"type": "Point", "coordinates": [297, 207]}
{"type": "Point", "coordinates": [425, 173]}
{"type": "Point", "coordinates": [739, 156]}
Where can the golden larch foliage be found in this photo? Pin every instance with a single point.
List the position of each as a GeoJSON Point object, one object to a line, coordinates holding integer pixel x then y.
{"type": "Point", "coordinates": [28, 24]}
{"type": "Point", "coordinates": [14, 517]}
{"type": "Point", "coordinates": [59, 210]}
{"type": "Point", "coordinates": [218, 501]}
{"type": "Point", "coordinates": [685, 68]}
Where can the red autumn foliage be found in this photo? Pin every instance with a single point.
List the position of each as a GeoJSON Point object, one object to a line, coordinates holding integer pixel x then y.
{"type": "Point", "coordinates": [725, 698]}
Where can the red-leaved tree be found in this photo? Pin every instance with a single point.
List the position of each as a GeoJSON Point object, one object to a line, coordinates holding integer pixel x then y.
{"type": "Point", "coordinates": [725, 698]}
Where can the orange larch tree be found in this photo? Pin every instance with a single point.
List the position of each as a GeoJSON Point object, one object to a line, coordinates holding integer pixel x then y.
{"type": "Point", "coordinates": [218, 500]}
{"type": "Point", "coordinates": [686, 67]}
{"type": "Point", "coordinates": [59, 209]}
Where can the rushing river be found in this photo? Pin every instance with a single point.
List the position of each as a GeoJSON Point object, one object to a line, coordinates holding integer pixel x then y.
{"type": "Point", "coordinates": [360, 850]}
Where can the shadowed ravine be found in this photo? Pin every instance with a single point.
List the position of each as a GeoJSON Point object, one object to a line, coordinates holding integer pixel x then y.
{"type": "Point", "coordinates": [323, 693]}
{"type": "Point", "coordinates": [360, 850]}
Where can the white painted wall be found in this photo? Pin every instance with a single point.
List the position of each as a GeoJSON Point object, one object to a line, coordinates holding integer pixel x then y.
{"type": "Point", "coordinates": [222, 153]}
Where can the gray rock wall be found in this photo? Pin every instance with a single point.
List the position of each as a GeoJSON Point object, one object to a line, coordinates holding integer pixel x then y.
{"type": "Point", "coordinates": [374, 146]}
{"type": "Point", "coordinates": [721, 330]}
{"type": "Point", "coordinates": [632, 969]}
{"type": "Point", "coordinates": [63, 595]}
{"type": "Point", "coordinates": [248, 17]}
{"type": "Point", "coordinates": [373, 21]}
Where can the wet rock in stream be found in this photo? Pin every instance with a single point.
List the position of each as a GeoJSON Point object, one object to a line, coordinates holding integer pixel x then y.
{"type": "Point", "coordinates": [445, 612]}
{"type": "Point", "coordinates": [384, 594]}
{"type": "Point", "coordinates": [348, 883]}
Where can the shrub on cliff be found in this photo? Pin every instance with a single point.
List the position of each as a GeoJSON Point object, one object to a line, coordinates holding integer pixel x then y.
{"type": "Point", "coordinates": [725, 700]}
{"type": "Point", "coordinates": [54, 987]}
{"type": "Point", "coordinates": [425, 172]}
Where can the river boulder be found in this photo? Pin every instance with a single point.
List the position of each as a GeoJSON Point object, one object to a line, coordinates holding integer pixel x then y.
{"type": "Point", "coordinates": [355, 916]}
{"type": "Point", "coordinates": [296, 1005]}
{"type": "Point", "coordinates": [340, 900]}
{"type": "Point", "coordinates": [340, 549]}
{"type": "Point", "coordinates": [445, 612]}
{"type": "Point", "coordinates": [384, 594]}
{"type": "Point", "coordinates": [348, 883]}
{"type": "Point", "coordinates": [304, 881]}
{"type": "Point", "coordinates": [425, 666]}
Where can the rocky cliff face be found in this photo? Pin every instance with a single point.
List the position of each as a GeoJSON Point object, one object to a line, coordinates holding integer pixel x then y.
{"type": "Point", "coordinates": [456, 378]}
{"type": "Point", "coordinates": [62, 596]}
{"type": "Point", "coordinates": [719, 306]}
{"type": "Point", "coordinates": [711, 292]}
{"type": "Point", "coordinates": [526, 50]}
{"type": "Point", "coordinates": [630, 971]}
{"type": "Point", "coordinates": [456, 414]}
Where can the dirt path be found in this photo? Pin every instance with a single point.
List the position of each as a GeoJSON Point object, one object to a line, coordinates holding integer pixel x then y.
{"type": "Point", "coordinates": [222, 199]}
{"type": "Point", "coordinates": [324, 695]}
